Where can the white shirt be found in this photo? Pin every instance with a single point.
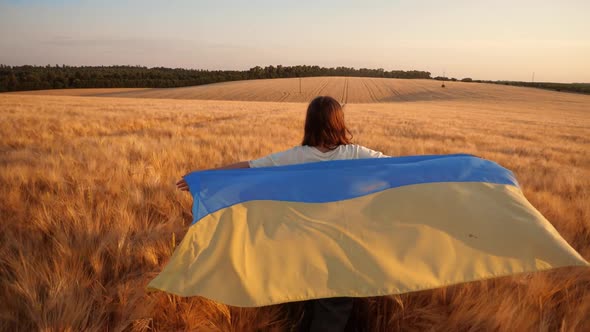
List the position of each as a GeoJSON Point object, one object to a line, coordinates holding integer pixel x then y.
{"type": "Point", "coordinates": [306, 154]}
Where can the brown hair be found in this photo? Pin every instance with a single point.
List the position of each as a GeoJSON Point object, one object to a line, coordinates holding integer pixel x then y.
{"type": "Point", "coordinates": [324, 124]}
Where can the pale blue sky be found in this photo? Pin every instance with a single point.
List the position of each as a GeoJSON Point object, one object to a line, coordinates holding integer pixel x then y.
{"type": "Point", "coordinates": [479, 39]}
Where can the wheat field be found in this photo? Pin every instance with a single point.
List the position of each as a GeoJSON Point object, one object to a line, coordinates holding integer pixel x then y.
{"type": "Point", "coordinates": [345, 89]}
{"type": "Point", "coordinates": [90, 213]}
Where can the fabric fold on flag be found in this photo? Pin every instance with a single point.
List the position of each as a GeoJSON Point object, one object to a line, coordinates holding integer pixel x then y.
{"type": "Point", "coordinates": [357, 228]}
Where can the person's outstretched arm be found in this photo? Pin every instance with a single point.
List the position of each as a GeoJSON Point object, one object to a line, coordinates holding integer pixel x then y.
{"type": "Point", "coordinates": [182, 185]}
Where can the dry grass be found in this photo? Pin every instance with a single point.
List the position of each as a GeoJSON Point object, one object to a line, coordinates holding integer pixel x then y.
{"type": "Point", "coordinates": [90, 212]}
{"type": "Point", "coordinates": [345, 89]}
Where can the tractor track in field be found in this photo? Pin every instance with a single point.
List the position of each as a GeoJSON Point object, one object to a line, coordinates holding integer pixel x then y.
{"type": "Point", "coordinates": [345, 92]}
{"type": "Point", "coordinates": [323, 85]}
{"type": "Point", "coordinates": [395, 93]}
{"type": "Point", "coordinates": [284, 96]}
{"type": "Point", "coordinates": [371, 94]}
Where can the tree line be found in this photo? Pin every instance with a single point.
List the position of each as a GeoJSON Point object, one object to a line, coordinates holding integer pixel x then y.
{"type": "Point", "coordinates": [20, 78]}
{"type": "Point", "coordinates": [562, 87]}
{"type": "Point", "coordinates": [567, 87]}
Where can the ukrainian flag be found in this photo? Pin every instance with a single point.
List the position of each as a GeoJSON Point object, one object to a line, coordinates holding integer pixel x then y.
{"type": "Point", "coordinates": [357, 228]}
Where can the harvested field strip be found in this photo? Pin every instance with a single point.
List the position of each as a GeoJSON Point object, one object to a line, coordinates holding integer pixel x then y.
{"type": "Point", "coordinates": [350, 90]}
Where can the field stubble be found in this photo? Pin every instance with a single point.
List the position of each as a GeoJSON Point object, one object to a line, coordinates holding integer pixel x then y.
{"type": "Point", "coordinates": [90, 212]}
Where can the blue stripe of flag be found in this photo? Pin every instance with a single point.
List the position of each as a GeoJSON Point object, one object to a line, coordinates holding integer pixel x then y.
{"type": "Point", "coordinates": [337, 180]}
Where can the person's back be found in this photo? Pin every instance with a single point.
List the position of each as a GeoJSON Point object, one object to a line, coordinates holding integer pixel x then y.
{"type": "Point", "coordinates": [325, 138]}
{"type": "Point", "coordinates": [307, 154]}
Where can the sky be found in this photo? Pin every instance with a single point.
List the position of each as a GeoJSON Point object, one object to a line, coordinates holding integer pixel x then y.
{"type": "Point", "coordinates": [493, 40]}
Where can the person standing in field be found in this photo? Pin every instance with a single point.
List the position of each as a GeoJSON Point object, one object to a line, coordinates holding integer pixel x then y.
{"type": "Point", "coordinates": [325, 138]}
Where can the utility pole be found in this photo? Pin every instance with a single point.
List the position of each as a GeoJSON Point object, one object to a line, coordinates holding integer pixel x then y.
{"type": "Point", "coordinates": [533, 80]}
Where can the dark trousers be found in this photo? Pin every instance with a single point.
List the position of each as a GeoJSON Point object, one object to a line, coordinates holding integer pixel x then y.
{"type": "Point", "coordinates": [326, 314]}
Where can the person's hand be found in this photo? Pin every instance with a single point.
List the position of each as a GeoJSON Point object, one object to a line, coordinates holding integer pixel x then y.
{"type": "Point", "coordinates": [182, 185]}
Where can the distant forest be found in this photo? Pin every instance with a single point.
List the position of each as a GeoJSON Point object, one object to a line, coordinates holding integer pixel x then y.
{"type": "Point", "coordinates": [566, 87]}
{"type": "Point", "coordinates": [20, 78]}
